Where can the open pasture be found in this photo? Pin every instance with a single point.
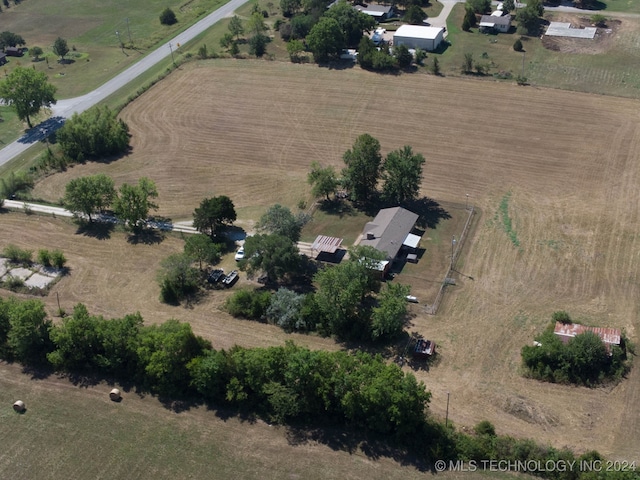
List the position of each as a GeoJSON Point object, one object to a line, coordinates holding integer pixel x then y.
{"type": "Point", "coordinates": [554, 173]}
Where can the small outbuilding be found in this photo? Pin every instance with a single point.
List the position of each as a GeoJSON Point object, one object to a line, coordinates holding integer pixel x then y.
{"type": "Point", "coordinates": [379, 12]}
{"type": "Point", "coordinates": [19, 406]}
{"type": "Point", "coordinates": [13, 51]}
{"type": "Point", "coordinates": [115, 395]}
{"type": "Point", "coordinates": [416, 36]}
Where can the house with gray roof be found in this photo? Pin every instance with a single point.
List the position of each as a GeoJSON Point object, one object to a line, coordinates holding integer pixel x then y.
{"type": "Point", "coordinates": [389, 231]}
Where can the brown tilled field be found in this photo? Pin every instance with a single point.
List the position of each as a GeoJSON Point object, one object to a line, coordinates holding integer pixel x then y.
{"type": "Point", "coordinates": [570, 162]}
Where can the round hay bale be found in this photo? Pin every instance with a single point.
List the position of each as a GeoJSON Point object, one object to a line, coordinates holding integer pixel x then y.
{"type": "Point", "coordinates": [19, 406]}
{"type": "Point", "coordinates": [115, 395]}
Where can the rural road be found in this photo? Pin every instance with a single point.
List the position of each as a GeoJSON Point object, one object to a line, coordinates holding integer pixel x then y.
{"type": "Point", "coordinates": [184, 227]}
{"type": "Point", "coordinates": [66, 108]}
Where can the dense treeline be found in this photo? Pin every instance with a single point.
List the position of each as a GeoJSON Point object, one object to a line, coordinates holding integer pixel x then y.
{"type": "Point", "coordinates": [282, 384]}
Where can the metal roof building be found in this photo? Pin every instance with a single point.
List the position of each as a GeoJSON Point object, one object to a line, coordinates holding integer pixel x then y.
{"type": "Point", "coordinates": [416, 36]}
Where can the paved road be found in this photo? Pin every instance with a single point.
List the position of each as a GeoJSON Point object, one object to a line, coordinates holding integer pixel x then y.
{"type": "Point", "coordinates": [65, 108]}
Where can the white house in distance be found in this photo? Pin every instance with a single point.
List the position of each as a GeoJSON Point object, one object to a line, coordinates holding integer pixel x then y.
{"type": "Point", "coordinates": [379, 12]}
{"type": "Point", "coordinates": [416, 36]}
{"type": "Point", "coordinates": [496, 21]}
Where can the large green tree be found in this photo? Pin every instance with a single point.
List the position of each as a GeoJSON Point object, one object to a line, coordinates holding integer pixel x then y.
{"type": "Point", "coordinates": [235, 27]}
{"type": "Point", "coordinates": [27, 91]}
{"type": "Point", "coordinates": [363, 167]}
{"type": "Point", "coordinates": [10, 39]}
{"type": "Point", "coordinates": [165, 351]}
{"type": "Point", "coordinates": [88, 195]}
{"type": "Point", "coordinates": [177, 278]}
{"type": "Point", "coordinates": [275, 255]}
{"type": "Point", "coordinates": [60, 48]}
{"type": "Point", "coordinates": [280, 220]}
{"type": "Point", "coordinates": [414, 15]}
{"type": "Point", "coordinates": [323, 180]}
{"type": "Point", "coordinates": [342, 290]}
{"type": "Point", "coordinates": [212, 214]}
{"type": "Point", "coordinates": [351, 21]}
{"type": "Point", "coordinates": [389, 316]}
{"type": "Point", "coordinates": [134, 202]}
{"type": "Point", "coordinates": [326, 39]}
{"type": "Point", "coordinates": [285, 310]}
{"type": "Point", "coordinates": [479, 6]}
{"type": "Point", "coordinates": [202, 249]}
{"type": "Point", "coordinates": [95, 133]}
{"type": "Point", "coordinates": [529, 17]}
{"type": "Point", "coordinates": [28, 337]}
{"type": "Point", "coordinates": [402, 175]}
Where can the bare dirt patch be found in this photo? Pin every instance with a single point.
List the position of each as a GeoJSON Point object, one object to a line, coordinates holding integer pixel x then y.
{"type": "Point", "coordinates": [603, 42]}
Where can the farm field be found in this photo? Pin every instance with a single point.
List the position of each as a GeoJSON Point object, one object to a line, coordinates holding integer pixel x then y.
{"type": "Point", "coordinates": [76, 432]}
{"type": "Point", "coordinates": [564, 167]}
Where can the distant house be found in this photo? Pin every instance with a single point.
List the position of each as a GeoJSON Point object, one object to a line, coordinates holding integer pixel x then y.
{"type": "Point", "coordinates": [495, 23]}
{"type": "Point", "coordinates": [389, 231]}
{"type": "Point", "coordinates": [379, 12]}
{"type": "Point", "coordinates": [3, 58]}
{"type": "Point", "coordinates": [416, 36]}
{"type": "Point", "coordinates": [609, 336]}
{"type": "Point", "coordinates": [13, 51]}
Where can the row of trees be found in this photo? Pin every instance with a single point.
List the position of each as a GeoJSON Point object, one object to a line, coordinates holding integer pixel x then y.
{"type": "Point", "coordinates": [86, 196]}
{"type": "Point", "coordinates": [280, 383]}
{"type": "Point", "coordinates": [584, 360]}
{"type": "Point", "coordinates": [401, 173]}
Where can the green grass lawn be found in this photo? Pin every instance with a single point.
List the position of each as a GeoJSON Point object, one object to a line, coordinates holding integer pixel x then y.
{"type": "Point", "coordinates": [90, 27]}
{"type": "Point", "coordinates": [614, 72]}
{"type": "Point", "coordinates": [342, 221]}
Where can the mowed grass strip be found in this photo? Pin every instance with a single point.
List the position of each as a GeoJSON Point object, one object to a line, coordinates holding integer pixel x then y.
{"type": "Point", "coordinates": [250, 130]}
{"type": "Point", "coordinates": [76, 432]}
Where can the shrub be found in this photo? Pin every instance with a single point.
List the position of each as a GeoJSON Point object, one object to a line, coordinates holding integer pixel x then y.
{"type": "Point", "coordinates": [44, 257]}
{"type": "Point", "coordinates": [599, 20]}
{"type": "Point", "coordinates": [562, 317]}
{"type": "Point", "coordinates": [13, 283]}
{"type": "Point", "coordinates": [167, 17]}
{"type": "Point", "coordinates": [250, 304]}
{"type": "Point", "coordinates": [58, 259]}
{"type": "Point", "coordinates": [485, 427]}
{"type": "Point", "coordinates": [16, 254]}
{"type": "Point", "coordinates": [517, 45]}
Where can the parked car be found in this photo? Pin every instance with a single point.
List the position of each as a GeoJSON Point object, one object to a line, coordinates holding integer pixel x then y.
{"type": "Point", "coordinates": [216, 276]}
{"type": "Point", "coordinates": [239, 254]}
{"type": "Point", "coordinates": [231, 278]}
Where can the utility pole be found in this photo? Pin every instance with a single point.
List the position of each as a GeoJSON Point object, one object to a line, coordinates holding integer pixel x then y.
{"type": "Point", "coordinates": [120, 41]}
{"type": "Point", "coordinates": [466, 203]}
{"type": "Point", "coordinates": [171, 49]}
{"type": "Point", "coordinates": [446, 418]}
{"type": "Point", "coordinates": [453, 244]}
{"type": "Point", "coordinates": [524, 54]}
{"type": "Point", "coordinates": [129, 32]}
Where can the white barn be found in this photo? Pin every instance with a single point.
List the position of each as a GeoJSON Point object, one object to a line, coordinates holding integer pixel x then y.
{"type": "Point", "coordinates": [415, 36]}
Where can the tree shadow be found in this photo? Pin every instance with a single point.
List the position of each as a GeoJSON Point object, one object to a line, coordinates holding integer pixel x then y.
{"type": "Point", "coordinates": [42, 131]}
{"type": "Point", "coordinates": [41, 372]}
{"type": "Point", "coordinates": [97, 230]}
{"type": "Point", "coordinates": [430, 211]}
{"type": "Point", "coordinates": [374, 446]}
{"type": "Point", "coordinates": [337, 206]}
{"type": "Point", "coordinates": [146, 237]}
